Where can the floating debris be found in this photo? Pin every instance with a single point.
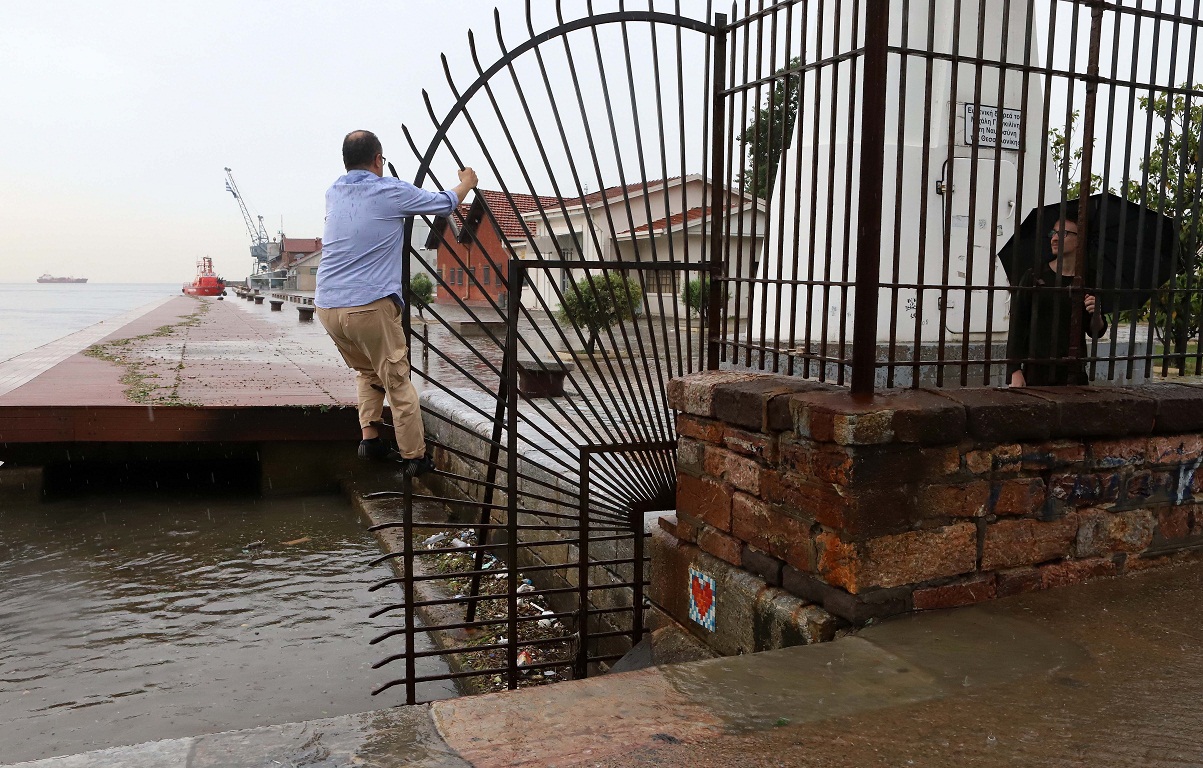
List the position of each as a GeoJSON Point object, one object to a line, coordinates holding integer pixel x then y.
{"type": "Point", "coordinates": [430, 541]}
{"type": "Point", "coordinates": [294, 542]}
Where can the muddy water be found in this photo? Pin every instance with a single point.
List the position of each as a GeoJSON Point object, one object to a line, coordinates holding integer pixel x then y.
{"type": "Point", "coordinates": [129, 620]}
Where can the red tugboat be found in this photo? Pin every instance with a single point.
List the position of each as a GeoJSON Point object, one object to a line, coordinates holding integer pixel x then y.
{"type": "Point", "coordinates": [206, 283]}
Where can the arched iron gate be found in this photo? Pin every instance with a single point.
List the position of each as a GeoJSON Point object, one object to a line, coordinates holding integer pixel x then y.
{"type": "Point", "coordinates": [586, 258]}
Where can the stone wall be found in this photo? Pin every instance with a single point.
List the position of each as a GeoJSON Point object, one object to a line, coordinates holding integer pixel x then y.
{"type": "Point", "coordinates": [921, 499]}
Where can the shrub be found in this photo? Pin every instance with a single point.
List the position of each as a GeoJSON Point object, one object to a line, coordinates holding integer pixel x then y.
{"type": "Point", "coordinates": [597, 303]}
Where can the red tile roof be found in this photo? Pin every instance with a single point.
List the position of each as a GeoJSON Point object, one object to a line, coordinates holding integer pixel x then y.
{"type": "Point", "coordinates": [675, 219]}
{"type": "Point", "coordinates": [507, 210]}
{"type": "Point", "coordinates": [301, 244]}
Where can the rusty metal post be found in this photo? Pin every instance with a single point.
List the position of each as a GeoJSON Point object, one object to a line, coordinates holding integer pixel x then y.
{"type": "Point", "coordinates": [868, 220]}
{"type": "Point", "coordinates": [1088, 120]}
{"type": "Point", "coordinates": [718, 193]}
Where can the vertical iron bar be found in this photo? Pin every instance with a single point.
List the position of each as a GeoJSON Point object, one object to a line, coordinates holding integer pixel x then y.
{"type": "Point", "coordinates": [1092, 86]}
{"type": "Point", "coordinates": [411, 615]}
{"type": "Point", "coordinates": [516, 274]}
{"type": "Point", "coordinates": [868, 221]}
{"type": "Point", "coordinates": [581, 669]}
{"type": "Point", "coordinates": [717, 215]}
{"type": "Point", "coordinates": [637, 597]}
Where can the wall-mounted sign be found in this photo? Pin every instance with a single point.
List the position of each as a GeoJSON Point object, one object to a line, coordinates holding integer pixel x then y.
{"type": "Point", "coordinates": [989, 128]}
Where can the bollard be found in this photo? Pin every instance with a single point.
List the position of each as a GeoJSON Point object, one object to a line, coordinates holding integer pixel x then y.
{"type": "Point", "coordinates": [276, 304]}
{"type": "Point", "coordinates": [258, 299]}
{"type": "Point", "coordinates": [305, 314]}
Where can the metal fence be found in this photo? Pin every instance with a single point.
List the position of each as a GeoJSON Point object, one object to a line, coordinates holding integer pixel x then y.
{"type": "Point", "coordinates": [858, 191]}
{"type": "Point", "coordinates": [915, 157]}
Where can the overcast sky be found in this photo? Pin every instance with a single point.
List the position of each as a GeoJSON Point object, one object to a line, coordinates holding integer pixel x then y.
{"type": "Point", "coordinates": [117, 118]}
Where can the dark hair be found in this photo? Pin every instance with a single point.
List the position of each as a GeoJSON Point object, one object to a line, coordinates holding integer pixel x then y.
{"type": "Point", "coordinates": [360, 149]}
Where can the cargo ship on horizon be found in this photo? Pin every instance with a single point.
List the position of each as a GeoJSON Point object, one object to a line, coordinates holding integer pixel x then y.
{"type": "Point", "coordinates": [47, 278]}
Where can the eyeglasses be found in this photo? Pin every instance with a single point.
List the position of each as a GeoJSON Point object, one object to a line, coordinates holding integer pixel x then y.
{"type": "Point", "coordinates": [1061, 233]}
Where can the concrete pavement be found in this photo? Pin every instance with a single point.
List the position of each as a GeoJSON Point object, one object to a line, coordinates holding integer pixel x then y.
{"type": "Point", "coordinates": [1106, 673]}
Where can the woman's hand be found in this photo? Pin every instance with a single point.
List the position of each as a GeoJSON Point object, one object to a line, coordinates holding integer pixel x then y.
{"type": "Point", "coordinates": [1090, 303]}
{"type": "Point", "coordinates": [1017, 379]}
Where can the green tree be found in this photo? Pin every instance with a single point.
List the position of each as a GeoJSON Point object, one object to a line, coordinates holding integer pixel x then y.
{"type": "Point", "coordinates": [771, 131]}
{"type": "Point", "coordinates": [599, 303]}
{"type": "Point", "coordinates": [1172, 170]}
{"type": "Point", "coordinates": [421, 291]}
{"type": "Point", "coordinates": [1068, 160]}
{"type": "Point", "coordinates": [694, 294]}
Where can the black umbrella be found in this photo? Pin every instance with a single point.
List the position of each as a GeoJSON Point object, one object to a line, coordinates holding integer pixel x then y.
{"type": "Point", "coordinates": [1130, 253]}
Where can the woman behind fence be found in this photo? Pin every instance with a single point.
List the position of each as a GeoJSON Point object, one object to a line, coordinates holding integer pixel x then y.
{"type": "Point", "coordinates": [1041, 316]}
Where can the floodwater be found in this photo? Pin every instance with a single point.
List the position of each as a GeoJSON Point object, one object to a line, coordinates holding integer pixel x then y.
{"type": "Point", "coordinates": [124, 620]}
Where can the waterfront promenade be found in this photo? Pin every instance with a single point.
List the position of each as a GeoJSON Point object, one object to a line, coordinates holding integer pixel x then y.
{"type": "Point", "coordinates": [1106, 673]}
{"type": "Point", "coordinates": [229, 355]}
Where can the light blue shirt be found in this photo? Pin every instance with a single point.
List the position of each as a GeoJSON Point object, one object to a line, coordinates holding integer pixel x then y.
{"type": "Point", "coordinates": [361, 245]}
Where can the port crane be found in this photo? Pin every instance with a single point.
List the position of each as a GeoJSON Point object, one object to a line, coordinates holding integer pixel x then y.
{"type": "Point", "coordinates": [261, 246]}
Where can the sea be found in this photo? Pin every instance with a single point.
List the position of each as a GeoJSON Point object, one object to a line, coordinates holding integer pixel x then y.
{"type": "Point", "coordinates": [33, 314]}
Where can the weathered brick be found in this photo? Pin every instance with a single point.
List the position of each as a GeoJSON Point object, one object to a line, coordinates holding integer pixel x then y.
{"type": "Point", "coordinates": [754, 444]}
{"type": "Point", "coordinates": [763, 565]}
{"type": "Point", "coordinates": [1179, 407]}
{"type": "Point", "coordinates": [858, 513]}
{"type": "Point", "coordinates": [1002, 415]}
{"type": "Point", "coordinates": [998, 458]}
{"type": "Point", "coordinates": [846, 465]}
{"type": "Point", "coordinates": [1011, 543]}
{"type": "Point", "coordinates": [1017, 581]}
{"type": "Point", "coordinates": [705, 500]}
{"type": "Point", "coordinates": [926, 419]}
{"type": "Point", "coordinates": [1126, 452]}
{"type": "Point", "coordinates": [957, 500]}
{"type": "Point", "coordinates": [694, 394]}
{"type": "Point", "coordinates": [890, 561]}
{"type": "Point", "coordinates": [770, 530]}
{"type": "Point", "coordinates": [740, 471]}
{"type": "Point", "coordinates": [699, 429]}
{"type": "Point", "coordinates": [1173, 524]}
{"type": "Point", "coordinates": [1069, 572]}
{"type": "Point", "coordinates": [1104, 533]}
{"type": "Point", "coordinates": [688, 527]}
{"type": "Point", "coordinates": [857, 609]}
{"type": "Point", "coordinates": [973, 590]}
{"type": "Point", "coordinates": [748, 402]}
{"type": "Point", "coordinates": [940, 461]}
{"type": "Point", "coordinates": [690, 454]}
{"type": "Point", "coordinates": [1175, 449]}
{"type": "Point", "coordinates": [835, 417]}
{"type": "Point", "coordinates": [1080, 490]}
{"type": "Point", "coordinates": [794, 454]}
{"type": "Point", "coordinates": [1148, 487]}
{"type": "Point", "coordinates": [1055, 454]}
{"type": "Point", "coordinates": [721, 545]}
{"type": "Point", "coordinates": [1097, 411]}
{"type": "Point", "coordinates": [668, 524]}
{"type": "Point", "coordinates": [1019, 496]}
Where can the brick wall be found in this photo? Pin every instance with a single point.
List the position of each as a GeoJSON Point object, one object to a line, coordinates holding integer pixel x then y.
{"type": "Point", "coordinates": [923, 499]}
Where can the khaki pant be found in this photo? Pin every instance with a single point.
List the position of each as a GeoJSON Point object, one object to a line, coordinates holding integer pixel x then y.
{"type": "Point", "coordinates": [372, 342]}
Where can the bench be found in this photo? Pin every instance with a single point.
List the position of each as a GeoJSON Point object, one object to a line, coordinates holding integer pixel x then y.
{"type": "Point", "coordinates": [258, 299]}
{"type": "Point", "coordinates": [305, 313]}
{"type": "Point", "coordinates": [276, 304]}
{"type": "Point", "coordinates": [543, 378]}
{"type": "Point", "coordinates": [479, 327]}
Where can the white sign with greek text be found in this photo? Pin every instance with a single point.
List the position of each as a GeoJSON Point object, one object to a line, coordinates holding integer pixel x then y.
{"type": "Point", "coordinates": [988, 127]}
